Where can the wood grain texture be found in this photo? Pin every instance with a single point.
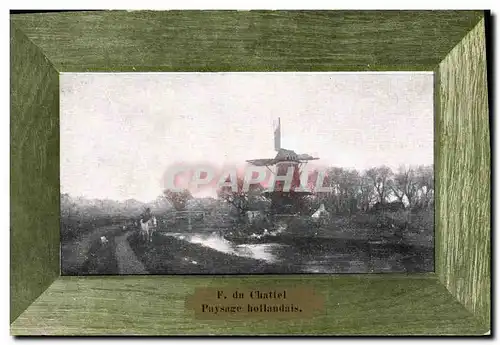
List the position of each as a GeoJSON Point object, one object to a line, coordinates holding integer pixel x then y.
{"type": "Point", "coordinates": [34, 173]}
{"type": "Point", "coordinates": [463, 175]}
{"type": "Point", "coordinates": [355, 305]}
{"type": "Point", "coordinates": [251, 41]}
{"type": "Point", "coordinates": [247, 40]}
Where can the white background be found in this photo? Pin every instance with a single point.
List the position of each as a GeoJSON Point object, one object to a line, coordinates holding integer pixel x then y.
{"type": "Point", "coordinates": [185, 4]}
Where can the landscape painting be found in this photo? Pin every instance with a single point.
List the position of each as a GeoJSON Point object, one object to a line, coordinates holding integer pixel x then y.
{"type": "Point", "coordinates": [246, 173]}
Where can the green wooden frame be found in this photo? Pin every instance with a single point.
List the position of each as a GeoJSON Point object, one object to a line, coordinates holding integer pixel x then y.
{"type": "Point", "coordinates": [454, 300]}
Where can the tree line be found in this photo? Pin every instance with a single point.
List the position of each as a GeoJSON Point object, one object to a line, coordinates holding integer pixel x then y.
{"type": "Point", "coordinates": [351, 190]}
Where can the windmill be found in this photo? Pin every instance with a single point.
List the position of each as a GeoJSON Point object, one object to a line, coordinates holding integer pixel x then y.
{"type": "Point", "coordinates": [284, 202]}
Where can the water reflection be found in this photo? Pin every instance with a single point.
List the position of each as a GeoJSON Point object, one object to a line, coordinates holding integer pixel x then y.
{"type": "Point", "coordinates": [319, 255]}
{"type": "Point", "coordinates": [264, 251]}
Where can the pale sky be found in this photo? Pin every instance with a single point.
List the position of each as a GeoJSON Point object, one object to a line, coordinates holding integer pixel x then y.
{"type": "Point", "coordinates": [121, 131]}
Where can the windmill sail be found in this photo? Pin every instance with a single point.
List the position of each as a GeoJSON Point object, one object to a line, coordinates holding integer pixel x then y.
{"type": "Point", "coordinates": [283, 155]}
{"type": "Point", "coordinates": [277, 136]}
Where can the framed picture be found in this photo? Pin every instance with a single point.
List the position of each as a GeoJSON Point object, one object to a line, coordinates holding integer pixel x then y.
{"type": "Point", "coordinates": [178, 172]}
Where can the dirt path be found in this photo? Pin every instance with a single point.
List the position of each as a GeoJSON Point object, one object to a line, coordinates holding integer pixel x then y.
{"type": "Point", "coordinates": [127, 260]}
{"type": "Point", "coordinates": [75, 253]}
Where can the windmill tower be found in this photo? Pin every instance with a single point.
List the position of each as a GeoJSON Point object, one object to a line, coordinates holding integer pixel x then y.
{"type": "Point", "coordinates": [285, 201]}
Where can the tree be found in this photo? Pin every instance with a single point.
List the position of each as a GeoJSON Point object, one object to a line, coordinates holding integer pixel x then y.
{"type": "Point", "coordinates": [366, 193]}
{"type": "Point", "coordinates": [178, 199]}
{"type": "Point", "coordinates": [380, 178]}
{"type": "Point", "coordinates": [349, 189]}
{"type": "Point", "coordinates": [425, 185]}
{"type": "Point", "coordinates": [404, 184]}
{"type": "Point", "coordinates": [239, 199]}
{"type": "Point", "coordinates": [345, 190]}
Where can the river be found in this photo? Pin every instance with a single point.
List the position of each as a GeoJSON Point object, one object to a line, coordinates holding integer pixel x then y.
{"type": "Point", "coordinates": [320, 255]}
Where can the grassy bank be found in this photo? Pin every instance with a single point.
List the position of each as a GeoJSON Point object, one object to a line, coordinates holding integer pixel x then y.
{"type": "Point", "coordinates": [87, 256]}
